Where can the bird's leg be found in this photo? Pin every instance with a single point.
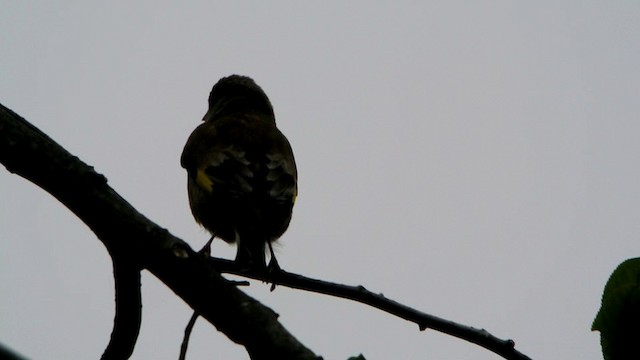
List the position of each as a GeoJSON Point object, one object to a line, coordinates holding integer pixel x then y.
{"type": "Point", "coordinates": [273, 269]}
{"type": "Point", "coordinates": [273, 263]}
{"type": "Point", "coordinates": [206, 250]}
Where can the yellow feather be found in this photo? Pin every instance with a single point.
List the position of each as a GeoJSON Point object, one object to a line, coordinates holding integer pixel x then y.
{"type": "Point", "coordinates": [204, 181]}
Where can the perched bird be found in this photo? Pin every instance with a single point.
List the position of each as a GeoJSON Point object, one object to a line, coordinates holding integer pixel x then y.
{"type": "Point", "coordinates": [242, 177]}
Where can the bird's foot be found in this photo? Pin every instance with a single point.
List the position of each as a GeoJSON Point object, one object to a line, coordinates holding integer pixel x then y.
{"type": "Point", "coordinates": [206, 249]}
{"type": "Point", "coordinates": [273, 270]}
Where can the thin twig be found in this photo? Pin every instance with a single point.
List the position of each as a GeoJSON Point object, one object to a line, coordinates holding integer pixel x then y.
{"type": "Point", "coordinates": [187, 335]}
{"type": "Point", "coordinates": [481, 337]}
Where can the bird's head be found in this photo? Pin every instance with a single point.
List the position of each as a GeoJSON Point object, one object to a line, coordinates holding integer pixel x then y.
{"type": "Point", "coordinates": [237, 93]}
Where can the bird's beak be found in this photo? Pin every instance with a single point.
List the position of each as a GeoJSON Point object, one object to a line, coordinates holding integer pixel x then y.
{"type": "Point", "coordinates": [208, 116]}
{"type": "Point", "coordinates": [218, 107]}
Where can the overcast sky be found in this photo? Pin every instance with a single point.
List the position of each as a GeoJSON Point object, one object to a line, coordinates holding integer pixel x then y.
{"type": "Point", "coordinates": [476, 160]}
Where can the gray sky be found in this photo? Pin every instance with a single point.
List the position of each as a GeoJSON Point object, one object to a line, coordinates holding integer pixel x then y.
{"type": "Point", "coordinates": [476, 160]}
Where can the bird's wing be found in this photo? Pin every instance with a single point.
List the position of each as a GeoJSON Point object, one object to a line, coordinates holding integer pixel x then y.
{"type": "Point", "coordinates": [242, 154]}
{"type": "Point", "coordinates": [213, 159]}
{"type": "Point", "coordinates": [228, 167]}
{"type": "Point", "coordinates": [282, 176]}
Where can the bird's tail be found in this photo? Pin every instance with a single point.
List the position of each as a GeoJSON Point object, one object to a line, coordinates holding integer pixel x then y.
{"type": "Point", "coordinates": [251, 253]}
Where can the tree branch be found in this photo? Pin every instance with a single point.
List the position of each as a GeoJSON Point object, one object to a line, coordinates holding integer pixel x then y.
{"type": "Point", "coordinates": [8, 354]}
{"type": "Point", "coordinates": [126, 323]}
{"type": "Point", "coordinates": [126, 233]}
{"type": "Point", "coordinates": [481, 337]}
{"type": "Point", "coordinates": [132, 238]}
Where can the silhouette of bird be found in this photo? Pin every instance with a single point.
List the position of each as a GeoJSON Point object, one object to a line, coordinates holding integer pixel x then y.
{"type": "Point", "coordinates": [242, 177]}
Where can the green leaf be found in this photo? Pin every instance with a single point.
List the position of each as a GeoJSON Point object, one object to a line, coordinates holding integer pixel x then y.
{"type": "Point", "coordinates": [619, 317]}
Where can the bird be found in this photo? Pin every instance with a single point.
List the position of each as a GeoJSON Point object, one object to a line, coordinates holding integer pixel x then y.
{"type": "Point", "coordinates": [241, 172]}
